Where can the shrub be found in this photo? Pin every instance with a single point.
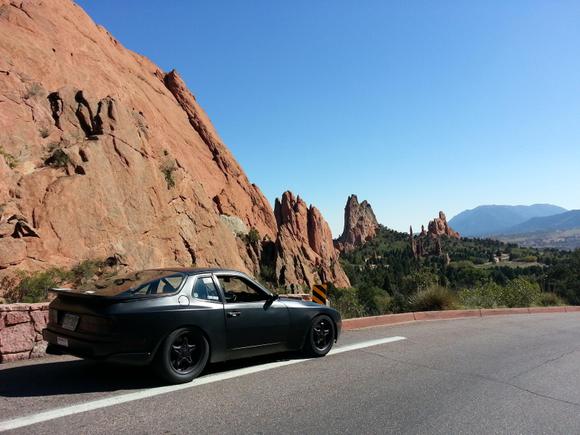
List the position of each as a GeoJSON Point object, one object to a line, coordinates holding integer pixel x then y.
{"type": "Point", "coordinates": [168, 167]}
{"type": "Point", "coordinates": [433, 298]}
{"type": "Point", "coordinates": [419, 281]}
{"type": "Point", "coordinates": [58, 159]}
{"type": "Point", "coordinates": [564, 277]}
{"type": "Point", "coordinates": [528, 259]}
{"type": "Point", "coordinates": [267, 274]}
{"type": "Point", "coordinates": [253, 237]}
{"type": "Point", "coordinates": [375, 300]}
{"type": "Point", "coordinates": [33, 287]}
{"type": "Point", "coordinates": [520, 292]}
{"type": "Point", "coordinates": [486, 295]}
{"type": "Point", "coordinates": [86, 270]}
{"type": "Point", "coordinates": [548, 299]}
{"type": "Point", "coordinates": [346, 301]}
{"type": "Point", "coordinates": [399, 303]}
{"type": "Point", "coordinates": [9, 158]}
{"type": "Point", "coordinates": [465, 274]}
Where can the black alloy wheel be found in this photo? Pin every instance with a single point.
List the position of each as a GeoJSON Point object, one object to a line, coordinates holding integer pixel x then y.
{"type": "Point", "coordinates": [321, 336]}
{"type": "Point", "coordinates": [185, 352]}
{"type": "Point", "coordinates": [182, 356]}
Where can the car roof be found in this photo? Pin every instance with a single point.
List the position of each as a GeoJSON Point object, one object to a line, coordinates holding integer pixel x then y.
{"type": "Point", "coordinates": [198, 270]}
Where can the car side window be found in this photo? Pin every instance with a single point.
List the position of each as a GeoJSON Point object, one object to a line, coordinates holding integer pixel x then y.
{"type": "Point", "coordinates": [237, 289]}
{"type": "Point", "coordinates": [205, 288]}
{"type": "Point", "coordinates": [164, 285]}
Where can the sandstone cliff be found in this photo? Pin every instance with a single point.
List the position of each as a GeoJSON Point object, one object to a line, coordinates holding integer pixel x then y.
{"type": "Point", "coordinates": [360, 225]}
{"type": "Point", "coordinates": [305, 251]}
{"type": "Point", "coordinates": [440, 227]}
{"type": "Point", "coordinates": [102, 155]}
{"type": "Point", "coordinates": [429, 242]}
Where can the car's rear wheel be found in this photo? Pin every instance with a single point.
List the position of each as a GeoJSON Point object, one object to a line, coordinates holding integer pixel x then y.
{"type": "Point", "coordinates": [182, 356]}
{"type": "Point", "coordinates": [320, 337]}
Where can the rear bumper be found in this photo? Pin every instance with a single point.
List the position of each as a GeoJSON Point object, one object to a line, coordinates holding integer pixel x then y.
{"type": "Point", "coordinates": [97, 350]}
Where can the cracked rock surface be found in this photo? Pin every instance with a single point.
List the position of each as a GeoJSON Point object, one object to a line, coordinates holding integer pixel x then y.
{"type": "Point", "coordinates": [103, 154]}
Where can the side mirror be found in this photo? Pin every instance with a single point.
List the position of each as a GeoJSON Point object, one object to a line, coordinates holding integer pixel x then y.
{"type": "Point", "coordinates": [270, 300]}
{"type": "Point", "coordinates": [230, 297]}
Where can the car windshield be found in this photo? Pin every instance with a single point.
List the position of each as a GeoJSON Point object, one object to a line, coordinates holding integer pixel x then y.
{"type": "Point", "coordinates": [146, 282]}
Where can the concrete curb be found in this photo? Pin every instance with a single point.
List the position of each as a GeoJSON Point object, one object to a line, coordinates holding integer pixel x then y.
{"type": "Point", "coordinates": [396, 319]}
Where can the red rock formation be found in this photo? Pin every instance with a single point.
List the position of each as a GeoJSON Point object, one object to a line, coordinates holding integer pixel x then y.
{"type": "Point", "coordinates": [429, 242]}
{"type": "Point", "coordinates": [412, 242]}
{"type": "Point", "coordinates": [440, 227]}
{"type": "Point", "coordinates": [305, 252]}
{"type": "Point", "coordinates": [360, 225]}
{"type": "Point", "coordinates": [104, 155]}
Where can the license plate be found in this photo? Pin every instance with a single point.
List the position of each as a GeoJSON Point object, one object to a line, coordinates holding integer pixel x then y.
{"type": "Point", "coordinates": [61, 341]}
{"type": "Point", "coordinates": [70, 321]}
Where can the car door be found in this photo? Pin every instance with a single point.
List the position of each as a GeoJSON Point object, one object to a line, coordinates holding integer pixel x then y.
{"type": "Point", "coordinates": [255, 323]}
{"type": "Point", "coordinates": [201, 305]}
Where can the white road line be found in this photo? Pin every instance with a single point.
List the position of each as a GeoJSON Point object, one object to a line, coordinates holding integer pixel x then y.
{"type": "Point", "coordinates": [151, 392]}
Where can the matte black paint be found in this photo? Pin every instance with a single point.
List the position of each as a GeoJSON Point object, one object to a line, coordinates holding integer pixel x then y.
{"type": "Point", "coordinates": [139, 325]}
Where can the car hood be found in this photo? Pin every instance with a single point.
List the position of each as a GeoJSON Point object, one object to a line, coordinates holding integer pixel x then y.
{"type": "Point", "coordinates": [290, 302]}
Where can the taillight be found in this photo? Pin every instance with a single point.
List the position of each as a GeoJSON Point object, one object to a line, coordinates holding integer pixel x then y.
{"type": "Point", "coordinates": [96, 325]}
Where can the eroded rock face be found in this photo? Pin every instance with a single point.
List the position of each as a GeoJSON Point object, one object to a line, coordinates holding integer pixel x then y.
{"type": "Point", "coordinates": [104, 155]}
{"type": "Point", "coordinates": [360, 225]}
{"type": "Point", "coordinates": [439, 227]}
{"type": "Point", "coordinates": [429, 242]}
{"type": "Point", "coordinates": [304, 247]}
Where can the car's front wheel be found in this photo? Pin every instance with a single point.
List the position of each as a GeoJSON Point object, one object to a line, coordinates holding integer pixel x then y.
{"type": "Point", "coordinates": [182, 356]}
{"type": "Point", "coordinates": [320, 337]}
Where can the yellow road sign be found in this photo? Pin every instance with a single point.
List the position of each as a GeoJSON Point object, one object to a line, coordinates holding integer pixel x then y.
{"type": "Point", "coordinates": [319, 293]}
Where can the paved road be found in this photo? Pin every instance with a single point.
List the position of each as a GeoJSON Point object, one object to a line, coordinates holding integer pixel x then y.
{"type": "Point", "coordinates": [509, 374]}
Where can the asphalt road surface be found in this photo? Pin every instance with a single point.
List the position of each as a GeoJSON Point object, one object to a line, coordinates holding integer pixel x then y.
{"type": "Point", "coordinates": [508, 374]}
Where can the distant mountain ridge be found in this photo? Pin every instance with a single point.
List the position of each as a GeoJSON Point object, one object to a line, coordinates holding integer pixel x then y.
{"type": "Point", "coordinates": [488, 220]}
{"type": "Point", "coordinates": [563, 221]}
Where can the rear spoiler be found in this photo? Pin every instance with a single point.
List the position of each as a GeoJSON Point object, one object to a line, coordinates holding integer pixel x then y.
{"type": "Point", "coordinates": [89, 294]}
{"type": "Point", "coordinates": [60, 290]}
{"type": "Point", "coordinates": [74, 293]}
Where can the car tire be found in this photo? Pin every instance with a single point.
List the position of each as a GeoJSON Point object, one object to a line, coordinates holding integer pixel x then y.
{"type": "Point", "coordinates": [182, 356]}
{"type": "Point", "coordinates": [320, 338]}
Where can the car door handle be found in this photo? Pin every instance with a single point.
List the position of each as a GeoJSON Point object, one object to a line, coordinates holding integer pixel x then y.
{"type": "Point", "coordinates": [234, 313]}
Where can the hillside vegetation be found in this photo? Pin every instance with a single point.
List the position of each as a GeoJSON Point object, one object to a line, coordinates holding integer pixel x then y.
{"type": "Point", "coordinates": [387, 278]}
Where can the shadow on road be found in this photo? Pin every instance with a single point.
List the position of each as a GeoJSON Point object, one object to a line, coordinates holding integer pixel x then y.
{"type": "Point", "coordinates": [80, 376]}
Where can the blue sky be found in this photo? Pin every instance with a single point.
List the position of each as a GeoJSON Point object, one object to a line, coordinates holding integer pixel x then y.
{"type": "Point", "coordinates": [415, 106]}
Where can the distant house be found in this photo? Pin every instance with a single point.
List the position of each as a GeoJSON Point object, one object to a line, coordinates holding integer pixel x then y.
{"type": "Point", "coordinates": [502, 257]}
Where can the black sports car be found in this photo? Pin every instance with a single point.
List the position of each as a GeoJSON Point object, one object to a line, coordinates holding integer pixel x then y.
{"type": "Point", "coordinates": [179, 319]}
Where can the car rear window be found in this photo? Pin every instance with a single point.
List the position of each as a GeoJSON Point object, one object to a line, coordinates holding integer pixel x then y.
{"type": "Point", "coordinates": [147, 282]}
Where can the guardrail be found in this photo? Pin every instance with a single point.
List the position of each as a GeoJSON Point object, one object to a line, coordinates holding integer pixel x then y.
{"type": "Point", "coordinates": [394, 319]}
